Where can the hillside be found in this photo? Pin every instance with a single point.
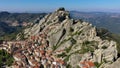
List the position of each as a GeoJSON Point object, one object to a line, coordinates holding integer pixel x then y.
{"type": "Point", "coordinates": [60, 41]}
{"type": "Point", "coordinates": [57, 40]}
{"type": "Point", "coordinates": [19, 18]}
{"type": "Point", "coordinates": [5, 28]}
{"type": "Point", "coordinates": [107, 20]}
{"type": "Point", "coordinates": [13, 23]}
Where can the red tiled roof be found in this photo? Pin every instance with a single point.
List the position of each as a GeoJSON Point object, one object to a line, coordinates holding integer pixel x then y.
{"type": "Point", "coordinates": [91, 64]}
{"type": "Point", "coordinates": [60, 61]}
{"type": "Point", "coordinates": [36, 67]}
{"type": "Point", "coordinates": [87, 64]}
{"type": "Point", "coordinates": [33, 37]}
{"type": "Point", "coordinates": [42, 52]}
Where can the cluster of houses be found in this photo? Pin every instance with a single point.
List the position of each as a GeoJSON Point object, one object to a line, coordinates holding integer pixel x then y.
{"type": "Point", "coordinates": [33, 53]}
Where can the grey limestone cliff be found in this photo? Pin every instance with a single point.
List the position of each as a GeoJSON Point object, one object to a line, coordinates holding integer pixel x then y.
{"type": "Point", "coordinates": [77, 38]}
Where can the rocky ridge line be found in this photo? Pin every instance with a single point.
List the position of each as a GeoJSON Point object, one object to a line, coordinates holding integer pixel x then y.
{"type": "Point", "coordinates": [64, 42]}
{"type": "Point", "coordinates": [65, 33]}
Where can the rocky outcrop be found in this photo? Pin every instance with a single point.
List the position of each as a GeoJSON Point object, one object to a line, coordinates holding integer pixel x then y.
{"type": "Point", "coordinates": [78, 39]}
{"type": "Point", "coordinates": [115, 64]}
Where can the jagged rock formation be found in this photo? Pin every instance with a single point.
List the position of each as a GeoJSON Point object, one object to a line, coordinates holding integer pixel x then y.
{"type": "Point", "coordinates": [116, 64]}
{"type": "Point", "coordinates": [76, 40]}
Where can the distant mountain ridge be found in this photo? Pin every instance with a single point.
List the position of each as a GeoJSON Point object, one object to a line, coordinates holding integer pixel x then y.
{"type": "Point", "coordinates": [14, 22]}
{"type": "Point", "coordinates": [19, 17]}
{"type": "Point", "coordinates": [110, 21]}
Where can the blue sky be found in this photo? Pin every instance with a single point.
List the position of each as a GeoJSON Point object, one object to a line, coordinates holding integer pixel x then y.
{"type": "Point", "coordinates": [51, 5]}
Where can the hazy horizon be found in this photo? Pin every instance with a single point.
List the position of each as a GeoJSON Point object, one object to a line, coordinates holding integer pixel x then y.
{"type": "Point", "coordinates": [51, 5]}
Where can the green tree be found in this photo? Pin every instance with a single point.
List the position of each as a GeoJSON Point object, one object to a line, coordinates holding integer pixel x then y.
{"type": "Point", "coordinates": [5, 58]}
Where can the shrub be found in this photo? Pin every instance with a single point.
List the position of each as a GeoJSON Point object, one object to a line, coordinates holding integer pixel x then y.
{"type": "Point", "coordinates": [54, 47]}
{"type": "Point", "coordinates": [5, 58]}
{"type": "Point", "coordinates": [97, 64]}
{"type": "Point", "coordinates": [68, 49]}
{"type": "Point", "coordinates": [68, 66]}
{"type": "Point", "coordinates": [73, 41]}
{"type": "Point", "coordinates": [86, 47]}
{"type": "Point", "coordinates": [71, 29]}
{"type": "Point", "coordinates": [104, 47]}
{"type": "Point", "coordinates": [67, 58]}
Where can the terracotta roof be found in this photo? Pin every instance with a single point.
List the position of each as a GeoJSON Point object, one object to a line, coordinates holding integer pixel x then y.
{"type": "Point", "coordinates": [87, 64]}
{"type": "Point", "coordinates": [91, 64]}
{"type": "Point", "coordinates": [42, 52]}
{"type": "Point", "coordinates": [60, 61]}
{"type": "Point", "coordinates": [33, 37]}
{"type": "Point", "coordinates": [36, 67]}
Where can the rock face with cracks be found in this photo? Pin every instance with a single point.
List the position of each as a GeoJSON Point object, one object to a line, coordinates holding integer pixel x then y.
{"type": "Point", "coordinates": [74, 41]}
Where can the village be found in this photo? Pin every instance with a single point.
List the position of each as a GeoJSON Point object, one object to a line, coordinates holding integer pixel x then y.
{"type": "Point", "coordinates": [34, 53]}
